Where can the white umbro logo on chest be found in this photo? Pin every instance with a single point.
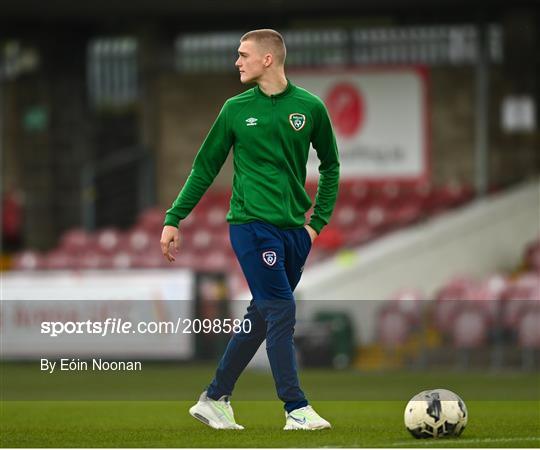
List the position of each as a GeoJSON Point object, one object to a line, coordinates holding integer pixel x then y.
{"type": "Point", "coordinates": [251, 122]}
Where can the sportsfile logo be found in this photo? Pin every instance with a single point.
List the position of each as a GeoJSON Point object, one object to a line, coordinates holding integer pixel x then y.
{"type": "Point", "coordinates": [251, 122]}
{"type": "Point", "coordinates": [117, 325]}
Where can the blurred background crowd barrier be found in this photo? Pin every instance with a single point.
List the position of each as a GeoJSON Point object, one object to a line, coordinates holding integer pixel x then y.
{"type": "Point", "coordinates": [432, 257]}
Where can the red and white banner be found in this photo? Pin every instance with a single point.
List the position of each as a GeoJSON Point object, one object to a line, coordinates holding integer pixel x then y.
{"type": "Point", "coordinates": [380, 117]}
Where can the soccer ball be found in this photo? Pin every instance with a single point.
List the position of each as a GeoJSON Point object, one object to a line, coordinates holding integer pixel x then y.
{"type": "Point", "coordinates": [436, 413]}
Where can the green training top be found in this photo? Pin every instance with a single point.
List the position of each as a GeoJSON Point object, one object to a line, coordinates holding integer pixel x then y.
{"type": "Point", "coordinates": [270, 137]}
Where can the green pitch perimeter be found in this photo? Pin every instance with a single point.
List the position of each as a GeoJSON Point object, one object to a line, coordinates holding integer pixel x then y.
{"type": "Point", "coordinates": [150, 409]}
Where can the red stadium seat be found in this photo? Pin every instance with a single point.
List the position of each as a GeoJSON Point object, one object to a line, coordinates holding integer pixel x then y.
{"type": "Point", "coordinates": [216, 197]}
{"type": "Point", "coordinates": [28, 260]}
{"type": "Point", "coordinates": [330, 239]}
{"type": "Point", "coordinates": [60, 260]}
{"type": "Point", "coordinates": [139, 240]}
{"type": "Point", "coordinates": [75, 241]}
{"type": "Point", "coordinates": [421, 192]}
{"type": "Point", "coordinates": [377, 218]}
{"type": "Point", "coordinates": [152, 259]}
{"type": "Point", "coordinates": [222, 240]}
{"type": "Point", "coordinates": [92, 260]}
{"type": "Point", "coordinates": [216, 216]}
{"type": "Point", "coordinates": [122, 261]}
{"type": "Point", "coordinates": [186, 259]}
{"type": "Point", "coordinates": [529, 338]}
{"type": "Point", "coordinates": [450, 300]}
{"type": "Point", "coordinates": [449, 196]}
{"type": "Point", "coordinates": [357, 193]}
{"type": "Point", "coordinates": [529, 329]}
{"type": "Point", "coordinates": [518, 296]}
{"type": "Point", "coordinates": [152, 219]}
{"type": "Point", "coordinates": [394, 328]}
{"type": "Point", "coordinates": [470, 329]}
{"type": "Point", "coordinates": [388, 195]}
{"type": "Point", "coordinates": [202, 239]}
{"type": "Point", "coordinates": [409, 302]}
{"type": "Point", "coordinates": [444, 314]}
{"type": "Point", "coordinates": [404, 213]}
{"type": "Point", "coordinates": [345, 216]}
{"type": "Point", "coordinates": [469, 335]}
{"type": "Point", "coordinates": [457, 288]}
{"type": "Point", "coordinates": [495, 286]}
{"type": "Point", "coordinates": [512, 310]}
{"type": "Point", "coordinates": [487, 295]}
{"type": "Point", "coordinates": [523, 287]}
{"type": "Point", "coordinates": [191, 221]}
{"type": "Point", "coordinates": [107, 240]}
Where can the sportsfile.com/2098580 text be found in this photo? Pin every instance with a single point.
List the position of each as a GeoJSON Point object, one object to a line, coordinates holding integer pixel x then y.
{"type": "Point", "coordinates": [111, 326]}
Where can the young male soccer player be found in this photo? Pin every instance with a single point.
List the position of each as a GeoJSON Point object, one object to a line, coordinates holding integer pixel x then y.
{"type": "Point", "coordinates": [270, 128]}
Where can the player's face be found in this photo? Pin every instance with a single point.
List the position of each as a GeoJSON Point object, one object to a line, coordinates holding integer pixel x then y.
{"type": "Point", "coordinates": [250, 62]}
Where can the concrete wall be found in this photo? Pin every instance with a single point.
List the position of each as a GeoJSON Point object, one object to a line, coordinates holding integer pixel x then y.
{"type": "Point", "coordinates": [186, 107]}
{"type": "Point", "coordinates": [451, 93]}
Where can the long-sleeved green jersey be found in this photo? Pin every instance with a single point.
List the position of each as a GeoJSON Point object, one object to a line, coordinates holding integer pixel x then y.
{"type": "Point", "coordinates": [270, 137]}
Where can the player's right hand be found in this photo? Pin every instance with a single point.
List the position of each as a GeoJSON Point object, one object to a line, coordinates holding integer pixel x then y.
{"type": "Point", "coordinates": [170, 238]}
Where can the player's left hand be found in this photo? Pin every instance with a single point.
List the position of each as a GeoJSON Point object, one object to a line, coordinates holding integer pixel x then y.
{"type": "Point", "coordinates": [312, 233]}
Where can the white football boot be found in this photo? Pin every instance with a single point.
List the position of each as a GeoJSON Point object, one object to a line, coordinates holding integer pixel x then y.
{"type": "Point", "coordinates": [217, 414]}
{"type": "Point", "coordinates": [305, 419]}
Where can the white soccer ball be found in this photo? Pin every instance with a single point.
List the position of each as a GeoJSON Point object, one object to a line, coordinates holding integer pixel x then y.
{"type": "Point", "coordinates": [436, 413]}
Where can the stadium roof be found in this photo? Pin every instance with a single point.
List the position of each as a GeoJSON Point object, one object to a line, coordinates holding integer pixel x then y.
{"type": "Point", "coordinates": [100, 9]}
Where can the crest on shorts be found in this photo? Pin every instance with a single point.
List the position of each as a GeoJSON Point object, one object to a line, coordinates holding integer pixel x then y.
{"type": "Point", "coordinates": [269, 258]}
{"type": "Point", "coordinates": [297, 121]}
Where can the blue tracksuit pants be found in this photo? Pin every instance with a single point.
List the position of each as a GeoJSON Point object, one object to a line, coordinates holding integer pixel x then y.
{"type": "Point", "coordinates": [272, 260]}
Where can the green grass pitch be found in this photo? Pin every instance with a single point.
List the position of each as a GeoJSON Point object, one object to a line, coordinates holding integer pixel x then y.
{"type": "Point", "coordinates": [149, 409]}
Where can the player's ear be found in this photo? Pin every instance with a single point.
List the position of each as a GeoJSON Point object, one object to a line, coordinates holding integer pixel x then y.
{"type": "Point", "coordinates": [268, 59]}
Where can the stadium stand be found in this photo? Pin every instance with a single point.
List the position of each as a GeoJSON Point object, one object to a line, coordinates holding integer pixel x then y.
{"type": "Point", "coordinates": [466, 314]}
{"type": "Point", "coordinates": [470, 316]}
{"type": "Point", "coordinates": [363, 213]}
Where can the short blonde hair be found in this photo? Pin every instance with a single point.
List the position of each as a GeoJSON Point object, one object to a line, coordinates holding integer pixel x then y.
{"type": "Point", "coordinates": [270, 40]}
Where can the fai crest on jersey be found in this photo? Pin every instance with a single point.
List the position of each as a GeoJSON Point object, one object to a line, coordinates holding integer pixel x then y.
{"type": "Point", "coordinates": [269, 258]}
{"type": "Point", "coordinates": [297, 121]}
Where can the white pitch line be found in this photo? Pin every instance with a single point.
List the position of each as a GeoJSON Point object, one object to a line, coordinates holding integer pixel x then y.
{"type": "Point", "coordinates": [429, 442]}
